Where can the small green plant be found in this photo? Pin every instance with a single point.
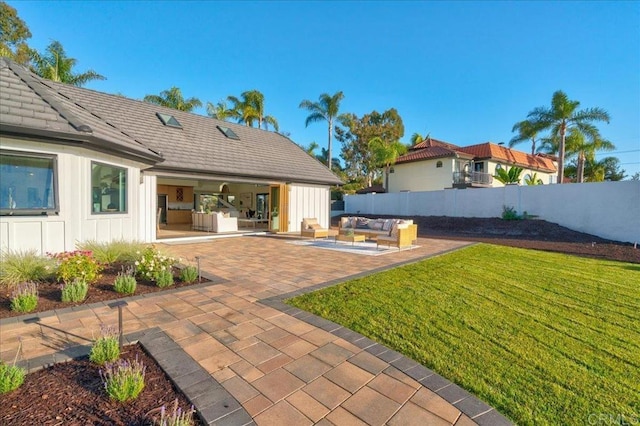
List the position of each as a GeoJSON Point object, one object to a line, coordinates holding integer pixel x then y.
{"type": "Point", "coordinates": [177, 417]}
{"type": "Point", "coordinates": [11, 376]}
{"type": "Point", "coordinates": [77, 264]}
{"type": "Point", "coordinates": [164, 279]}
{"type": "Point", "coordinates": [150, 261]}
{"type": "Point", "coordinates": [106, 348]}
{"type": "Point", "coordinates": [349, 232]}
{"type": "Point", "coordinates": [510, 213]}
{"type": "Point", "coordinates": [75, 291]}
{"type": "Point", "coordinates": [24, 298]}
{"type": "Point", "coordinates": [189, 274]}
{"type": "Point", "coordinates": [125, 282]}
{"type": "Point", "coordinates": [114, 251]}
{"type": "Point", "coordinates": [21, 266]}
{"type": "Point", "coordinates": [123, 380]}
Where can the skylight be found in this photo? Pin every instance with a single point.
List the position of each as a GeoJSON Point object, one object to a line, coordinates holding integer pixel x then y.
{"type": "Point", "coordinates": [169, 120]}
{"type": "Point", "coordinates": [228, 132]}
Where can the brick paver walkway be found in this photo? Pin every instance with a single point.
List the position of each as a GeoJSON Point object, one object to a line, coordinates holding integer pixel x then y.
{"type": "Point", "coordinates": [282, 369]}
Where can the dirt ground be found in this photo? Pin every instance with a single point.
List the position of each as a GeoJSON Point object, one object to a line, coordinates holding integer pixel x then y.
{"type": "Point", "coordinates": [528, 233]}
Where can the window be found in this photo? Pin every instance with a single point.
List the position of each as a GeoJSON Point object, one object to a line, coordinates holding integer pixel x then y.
{"type": "Point", "coordinates": [228, 132]}
{"type": "Point", "coordinates": [498, 167]}
{"type": "Point", "coordinates": [439, 164]}
{"type": "Point", "coordinates": [169, 120]}
{"type": "Point", "coordinates": [28, 184]}
{"type": "Point", "coordinates": [109, 188]}
{"type": "Point", "coordinates": [478, 167]}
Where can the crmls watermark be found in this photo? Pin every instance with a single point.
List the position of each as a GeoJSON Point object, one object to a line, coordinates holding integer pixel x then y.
{"type": "Point", "coordinates": [612, 419]}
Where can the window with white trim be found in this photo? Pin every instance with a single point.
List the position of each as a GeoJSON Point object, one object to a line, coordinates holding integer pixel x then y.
{"type": "Point", "coordinates": [28, 183]}
{"type": "Point", "coordinates": [109, 188]}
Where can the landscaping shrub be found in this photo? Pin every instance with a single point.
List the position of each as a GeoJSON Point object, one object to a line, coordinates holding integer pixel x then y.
{"type": "Point", "coordinates": [123, 380]}
{"type": "Point", "coordinates": [189, 274]}
{"type": "Point", "coordinates": [114, 251]}
{"type": "Point", "coordinates": [21, 266]}
{"type": "Point", "coordinates": [510, 213]}
{"type": "Point", "coordinates": [164, 279]}
{"type": "Point", "coordinates": [178, 417]}
{"type": "Point", "coordinates": [77, 264]}
{"type": "Point", "coordinates": [11, 376]}
{"type": "Point", "coordinates": [125, 282]}
{"type": "Point", "coordinates": [75, 291]}
{"type": "Point", "coordinates": [150, 261]}
{"type": "Point", "coordinates": [24, 298]}
{"type": "Point", "coordinates": [106, 348]}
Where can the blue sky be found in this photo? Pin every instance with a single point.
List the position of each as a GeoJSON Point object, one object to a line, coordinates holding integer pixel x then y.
{"type": "Point", "coordinates": [464, 72]}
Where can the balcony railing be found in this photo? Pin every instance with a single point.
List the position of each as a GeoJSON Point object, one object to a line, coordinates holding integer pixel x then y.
{"type": "Point", "coordinates": [477, 178]}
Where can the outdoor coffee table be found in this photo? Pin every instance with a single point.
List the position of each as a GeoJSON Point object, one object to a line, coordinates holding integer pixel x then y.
{"type": "Point", "coordinates": [350, 238]}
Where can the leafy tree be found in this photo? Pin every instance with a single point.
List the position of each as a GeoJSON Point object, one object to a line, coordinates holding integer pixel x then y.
{"type": "Point", "coordinates": [355, 133]}
{"type": "Point", "coordinates": [220, 110]}
{"type": "Point", "coordinates": [326, 109]}
{"type": "Point", "coordinates": [54, 64]}
{"type": "Point", "coordinates": [323, 157]}
{"type": "Point", "coordinates": [527, 130]}
{"type": "Point", "coordinates": [173, 98]}
{"type": "Point", "coordinates": [13, 35]}
{"type": "Point", "coordinates": [533, 180]}
{"type": "Point", "coordinates": [249, 108]}
{"type": "Point", "coordinates": [508, 176]}
{"type": "Point", "coordinates": [386, 154]}
{"type": "Point", "coordinates": [607, 169]}
{"type": "Point", "coordinates": [562, 116]}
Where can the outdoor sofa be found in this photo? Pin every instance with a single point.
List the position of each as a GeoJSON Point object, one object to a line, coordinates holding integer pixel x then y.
{"type": "Point", "coordinates": [390, 232]}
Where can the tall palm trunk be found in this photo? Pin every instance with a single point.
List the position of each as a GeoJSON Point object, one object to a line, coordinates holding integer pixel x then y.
{"type": "Point", "coordinates": [563, 131]}
{"type": "Point", "coordinates": [533, 146]}
{"type": "Point", "coordinates": [580, 168]}
{"type": "Point", "coordinates": [329, 162]}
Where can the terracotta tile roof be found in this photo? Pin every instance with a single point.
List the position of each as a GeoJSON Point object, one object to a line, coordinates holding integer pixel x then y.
{"type": "Point", "coordinates": [431, 148]}
{"type": "Point", "coordinates": [501, 153]}
{"type": "Point", "coordinates": [430, 142]}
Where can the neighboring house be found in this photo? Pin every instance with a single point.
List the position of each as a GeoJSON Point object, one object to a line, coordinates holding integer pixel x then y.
{"type": "Point", "coordinates": [77, 165]}
{"type": "Point", "coordinates": [434, 165]}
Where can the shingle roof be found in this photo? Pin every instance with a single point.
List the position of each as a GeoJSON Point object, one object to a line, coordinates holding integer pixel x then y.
{"type": "Point", "coordinates": [198, 147]}
{"type": "Point", "coordinates": [511, 156]}
{"type": "Point", "coordinates": [28, 106]}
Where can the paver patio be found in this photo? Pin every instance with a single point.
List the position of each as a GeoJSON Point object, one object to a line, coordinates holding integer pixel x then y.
{"type": "Point", "coordinates": [278, 365]}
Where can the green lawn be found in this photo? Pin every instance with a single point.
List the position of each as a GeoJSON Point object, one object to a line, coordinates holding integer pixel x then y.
{"type": "Point", "coordinates": [544, 338]}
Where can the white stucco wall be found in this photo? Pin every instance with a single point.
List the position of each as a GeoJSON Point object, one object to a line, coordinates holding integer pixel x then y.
{"type": "Point", "coordinates": [422, 176]}
{"type": "Point", "coordinates": [75, 221]}
{"type": "Point", "coordinates": [546, 177]}
{"type": "Point", "coordinates": [606, 209]}
{"type": "Point", "coordinates": [308, 201]}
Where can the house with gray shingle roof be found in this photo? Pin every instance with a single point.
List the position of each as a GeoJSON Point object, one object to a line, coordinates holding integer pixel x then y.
{"type": "Point", "coordinates": [77, 164]}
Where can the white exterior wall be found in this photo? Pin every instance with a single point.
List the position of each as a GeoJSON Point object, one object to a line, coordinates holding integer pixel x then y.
{"type": "Point", "coordinates": [422, 176]}
{"type": "Point", "coordinates": [308, 201]}
{"type": "Point", "coordinates": [75, 221]}
{"type": "Point", "coordinates": [606, 209]}
{"type": "Point", "coordinates": [546, 177]}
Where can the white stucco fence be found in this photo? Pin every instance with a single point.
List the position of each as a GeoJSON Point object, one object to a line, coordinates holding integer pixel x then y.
{"type": "Point", "coordinates": [607, 209]}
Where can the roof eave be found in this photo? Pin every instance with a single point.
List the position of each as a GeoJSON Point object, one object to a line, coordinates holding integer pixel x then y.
{"type": "Point", "coordinates": [88, 141]}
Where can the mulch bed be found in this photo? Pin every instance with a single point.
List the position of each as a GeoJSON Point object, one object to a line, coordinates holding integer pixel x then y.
{"type": "Point", "coordinates": [529, 233]}
{"type": "Point", "coordinates": [72, 393]}
{"type": "Point", "coordinates": [50, 294]}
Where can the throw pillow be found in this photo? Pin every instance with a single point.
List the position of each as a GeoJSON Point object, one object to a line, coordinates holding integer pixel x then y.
{"type": "Point", "coordinates": [393, 225]}
{"type": "Point", "coordinates": [345, 222]}
{"type": "Point", "coordinates": [315, 226]}
{"type": "Point", "coordinates": [354, 221]}
{"type": "Point", "coordinates": [394, 231]}
{"type": "Point", "coordinates": [377, 225]}
{"type": "Point", "coordinates": [387, 225]}
{"type": "Point", "coordinates": [362, 223]}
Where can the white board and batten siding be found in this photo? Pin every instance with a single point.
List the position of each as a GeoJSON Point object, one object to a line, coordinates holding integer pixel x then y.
{"type": "Point", "coordinates": [75, 221]}
{"type": "Point", "coordinates": [308, 201]}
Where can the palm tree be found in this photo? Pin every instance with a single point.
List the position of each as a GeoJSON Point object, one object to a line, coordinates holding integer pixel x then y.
{"type": "Point", "coordinates": [562, 116]}
{"type": "Point", "coordinates": [173, 98]}
{"type": "Point", "coordinates": [326, 109]}
{"type": "Point", "coordinates": [219, 110]}
{"type": "Point", "coordinates": [584, 144]}
{"type": "Point", "coordinates": [416, 138]}
{"type": "Point", "coordinates": [312, 148]}
{"type": "Point", "coordinates": [526, 131]}
{"type": "Point", "coordinates": [533, 180]}
{"type": "Point", "coordinates": [250, 108]}
{"type": "Point", "coordinates": [55, 65]}
{"type": "Point", "coordinates": [386, 153]}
